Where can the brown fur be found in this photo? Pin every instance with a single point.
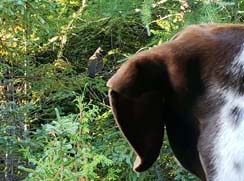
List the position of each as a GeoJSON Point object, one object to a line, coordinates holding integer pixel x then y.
{"type": "Point", "coordinates": [168, 85]}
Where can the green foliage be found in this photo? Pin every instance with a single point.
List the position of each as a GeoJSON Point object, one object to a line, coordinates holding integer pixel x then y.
{"type": "Point", "coordinates": [147, 14]}
{"type": "Point", "coordinates": [69, 152]}
{"type": "Point", "coordinates": [54, 119]}
{"type": "Point", "coordinates": [113, 9]}
{"type": "Point", "coordinates": [215, 12]}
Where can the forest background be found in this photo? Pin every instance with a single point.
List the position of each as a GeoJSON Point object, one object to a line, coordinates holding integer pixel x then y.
{"type": "Point", "coordinates": [55, 122]}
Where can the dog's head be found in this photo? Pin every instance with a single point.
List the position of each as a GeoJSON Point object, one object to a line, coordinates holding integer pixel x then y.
{"type": "Point", "coordinates": [161, 87]}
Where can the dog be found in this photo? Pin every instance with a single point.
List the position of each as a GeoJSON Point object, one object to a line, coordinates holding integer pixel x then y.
{"type": "Point", "coordinates": [192, 86]}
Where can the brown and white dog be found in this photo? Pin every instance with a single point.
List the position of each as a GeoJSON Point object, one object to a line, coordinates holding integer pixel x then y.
{"type": "Point", "coordinates": [194, 86]}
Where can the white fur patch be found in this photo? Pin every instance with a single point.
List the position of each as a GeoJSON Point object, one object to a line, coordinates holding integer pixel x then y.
{"type": "Point", "coordinates": [228, 155]}
{"type": "Point", "coordinates": [229, 143]}
{"type": "Point", "coordinates": [237, 66]}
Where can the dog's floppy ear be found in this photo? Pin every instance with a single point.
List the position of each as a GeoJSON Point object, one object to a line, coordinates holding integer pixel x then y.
{"type": "Point", "coordinates": [136, 96]}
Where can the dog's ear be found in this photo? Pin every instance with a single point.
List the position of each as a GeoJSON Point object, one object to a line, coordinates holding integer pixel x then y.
{"type": "Point", "coordinates": [141, 122]}
{"type": "Point", "coordinates": [136, 96]}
